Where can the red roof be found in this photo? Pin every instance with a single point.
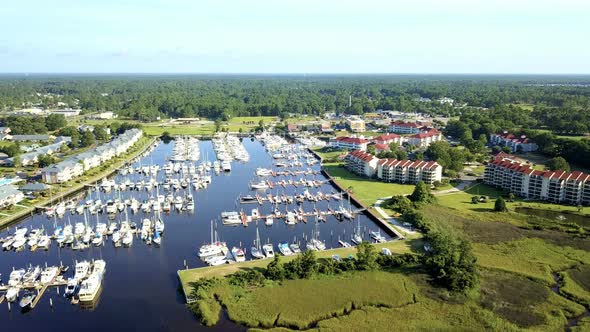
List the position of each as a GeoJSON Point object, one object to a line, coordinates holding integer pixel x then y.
{"type": "Point", "coordinates": [379, 146]}
{"type": "Point", "coordinates": [431, 132]}
{"type": "Point", "coordinates": [386, 137]}
{"type": "Point", "coordinates": [511, 137]}
{"type": "Point", "coordinates": [408, 163]}
{"type": "Point", "coordinates": [508, 163]}
{"type": "Point", "coordinates": [405, 124]}
{"type": "Point", "coordinates": [352, 140]}
{"type": "Point", "coordinates": [364, 156]}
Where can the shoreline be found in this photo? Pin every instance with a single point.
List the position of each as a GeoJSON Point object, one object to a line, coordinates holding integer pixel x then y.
{"type": "Point", "coordinates": [7, 221]}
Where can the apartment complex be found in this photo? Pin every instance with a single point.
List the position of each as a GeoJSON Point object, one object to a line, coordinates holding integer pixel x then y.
{"type": "Point", "coordinates": [425, 138]}
{"type": "Point", "coordinates": [407, 171]}
{"type": "Point", "coordinates": [75, 166]}
{"type": "Point", "coordinates": [388, 139]}
{"type": "Point", "coordinates": [553, 186]}
{"type": "Point", "coordinates": [515, 143]}
{"type": "Point", "coordinates": [401, 127]}
{"type": "Point", "coordinates": [349, 143]}
{"type": "Point", "coordinates": [393, 170]}
{"type": "Point", "coordinates": [355, 125]}
{"type": "Point", "coordinates": [361, 163]}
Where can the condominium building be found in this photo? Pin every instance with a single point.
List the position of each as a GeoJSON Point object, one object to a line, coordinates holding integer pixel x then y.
{"type": "Point", "coordinates": [355, 125]}
{"type": "Point", "coordinates": [401, 127]}
{"type": "Point", "coordinates": [425, 138]}
{"type": "Point", "coordinates": [388, 139]}
{"type": "Point", "coordinates": [407, 171]}
{"type": "Point", "coordinates": [361, 163]}
{"type": "Point", "coordinates": [554, 186]}
{"type": "Point", "coordinates": [515, 143]}
{"type": "Point", "coordinates": [349, 143]}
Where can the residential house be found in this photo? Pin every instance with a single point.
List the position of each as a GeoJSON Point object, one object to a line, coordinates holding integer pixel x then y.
{"type": "Point", "coordinates": [62, 172]}
{"type": "Point", "coordinates": [446, 100]}
{"type": "Point", "coordinates": [349, 143]}
{"type": "Point", "coordinates": [361, 163]}
{"type": "Point", "coordinates": [10, 195]}
{"type": "Point", "coordinates": [32, 138]}
{"type": "Point", "coordinates": [379, 148]}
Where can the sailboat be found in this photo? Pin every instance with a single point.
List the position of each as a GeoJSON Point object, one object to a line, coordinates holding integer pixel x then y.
{"type": "Point", "coordinates": [256, 250]}
{"type": "Point", "coordinates": [357, 237]}
{"type": "Point", "coordinates": [213, 248]}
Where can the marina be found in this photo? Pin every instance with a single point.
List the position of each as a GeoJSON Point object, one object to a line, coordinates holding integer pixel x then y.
{"type": "Point", "coordinates": [157, 213]}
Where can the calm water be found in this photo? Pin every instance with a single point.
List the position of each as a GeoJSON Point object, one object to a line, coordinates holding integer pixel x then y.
{"type": "Point", "coordinates": [140, 290]}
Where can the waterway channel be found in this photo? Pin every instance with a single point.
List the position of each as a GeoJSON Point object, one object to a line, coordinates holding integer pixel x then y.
{"type": "Point", "coordinates": [141, 288]}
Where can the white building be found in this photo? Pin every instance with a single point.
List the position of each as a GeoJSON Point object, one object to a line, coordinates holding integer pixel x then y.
{"type": "Point", "coordinates": [9, 196]}
{"type": "Point", "coordinates": [62, 172]}
{"type": "Point", "coordinates": [349, 143]}
{"type": "Point", "coordinates": [407, 171]}
{"type": "Point", "coordinates": [515, 143]}
{"type": "Point", "coordinates": [424, 139]}
{"type": "Point", "coordinates": [361, 163]}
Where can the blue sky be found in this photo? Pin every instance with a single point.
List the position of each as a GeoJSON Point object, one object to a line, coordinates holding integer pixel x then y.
{"type": "Point", "coordinates": [304, 36]}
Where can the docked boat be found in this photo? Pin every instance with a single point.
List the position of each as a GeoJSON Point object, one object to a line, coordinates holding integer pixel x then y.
{"type": "Point", "coordinates": [231, 218]}
{"type": "Point", "coordinates": [90, 287]}
{"type": "Point", "coordinates": [216, 260]}
{"type": "Point", "coordinates": [127, 239]}
{"type": "Point", "coordinates": [15, 277]}
{"type": "Point", "coordinates": [268, 250]}
{"type": "Point", "coordinates": [376, 235]}
{"type": "Point", "coordinates": [71, 287]}
{"type": "Point", "coordinates": [157, 238]}
{"type": "Point", "coordinates": [27, 298]}
{"type": "Point", "coordinates": [295, 248]}
{"type": "Point", "coordinates": [32, 274]}
{"type": "Point", "coordinates": [238, 254]}
{"type": "Point", "coordinates": [81, 270]}
{"type": "Point", "coordinates": [214, 248]}
{"type": "Point", "coordinates": [12, 294]}
{"type": "Point", "coordinates": [44, 242]}
{"type": "Point", "coordinates": [226, 166]}
{"type": "Point", "coordinates": [284, 249]}
{"type": "Point", "coordinates": [259, 185]}
{"type": "Point", "coordinates": [269, 220]}
{"type": "Point", "coordinates": [256, 250]}
{"type": "Point", "coordinates": [48, 274]}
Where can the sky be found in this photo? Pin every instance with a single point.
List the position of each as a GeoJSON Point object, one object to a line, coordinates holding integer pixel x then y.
{"type": "Point", "coordinates": [302, 36]}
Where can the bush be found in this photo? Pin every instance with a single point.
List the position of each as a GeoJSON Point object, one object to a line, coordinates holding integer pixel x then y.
{"type": "Point", "coordinates": [398, 203]}
{"type": "Point", "coordinates": [416, 218]}
{"type": "Point", "coordinates": [500, 205]}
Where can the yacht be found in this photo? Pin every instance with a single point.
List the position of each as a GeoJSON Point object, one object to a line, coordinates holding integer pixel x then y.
{"type": "Point", "coordinates": [216, 260]}
{"type": "Point", "coordinates": [97, 240]}
{"type": "Point", "coordinates": [81, 270]}
{"type": "Point", "coordinates": [226, 166]}
{"type": "Point", "coordinates": [127, 238]}
{"type": "Point", "coordinates": [116, 237]}
{"type": "Point", "coordinates": [268, 250]}
{"type": "Point", "coordinates": [48, 274]}
{"type": "Point", "coordinates": [376, 235]}
{"type": "Point", "coordinates": [90, 287]}
{"type": "Point", "coordinates": [231, 218]}
{"type": "Point", "coordinates": [44, 242]}
{"type": "Point", "coordinates": [15, 277]}
{"type": "Point", "coordinates": [12, 294]}
{"type": "Point", "coordinates": [258, 186]}
{"type": "Point", "coordinates": [32, 274]}
{"type": "Point", "coordinates": [238, 254]}
{"type": "Point", "coordinates": [157, 238]}
{"type": "Point", "coordinates": [269, 220]}
{"type": "Point", "coordinates": [213, 248]}
{"type": "Point", "coordinates": [256, 250]}
{"type": "Point", "coordinates": [344, 244]}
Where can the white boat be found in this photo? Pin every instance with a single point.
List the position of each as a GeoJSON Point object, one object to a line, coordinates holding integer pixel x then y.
{"type": "Point", "coordinates": [344, 244]}
{"type": "Point", "coordinates": [32, 274]}
{"type": "Point", "coordinates": [231, 218]}
{"type": "Point", "coordinates": [268, 250]}
{"type": "Point", "coordinates": [7, 244]}
{"type": "Point", "coordinates": [238, 254]}
{"type": "Point", "coordinates": [15, 277]}
{"type": "Point", "coordinates": [269, 220]}
{"type": "Point", "coordinates": [284, 249]}
{"type": "Point", "coordinates": [116, 237]}
{"type": "Point", "coordinates": [71, 287]}
{"type": "Point", "coordinates": [157, 238]}
{"type": "Point", "coordinates": [226, 166]}
{"type": "Point", "coordinates": [258, 186]}
{"type": "Point", "coordinates": [127, 239]}
{"type": "Point", "coordinates": [216, 260]}
{"type": "Point", "coordinates": [89, 288]}
{"type": "Point", "coordinates": [44, 242]}
{"type": "Point", "coordinates": [376, 235]}
{"type": "Point", "coordinates": [27, 298]}
{"type": "Point", "coordinates": [12, 294]}
{"type": "Point", "coordinates": [178, 203]}
{"type": "Point", "coordinates": [81, 270]}
{"type": "Point", "coordinates": [213, 248]}
{"type": "Point", "coordinates": [97, 240]}
{"type": "Point", "coordinates": [295, 248]}
{"type": "Point", "coordinates": [48, 274]}
{"type": "Point", "coordinates": [263, 172]}
{"type": "Point", "coordinates": [159, 226]}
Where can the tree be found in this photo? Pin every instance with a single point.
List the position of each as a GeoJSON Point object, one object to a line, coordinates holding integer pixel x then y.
{"type": "Point", "coordinates": [217, 125]}
{"type": "Point", "coordinates": [500, 205]}
{"type": "Point", "coordinates": [398, 203]}
{"type": "Point", "coordinates": [87, 139]}
{"type": "Point", "coordinates": [371, 149]}
{"type": "Point", "coordinates": [558, 164]}
{"type": "Point", "coordinates": [55, 121]}
{"type": "Point", "coordinates": [100, 133]}
{"type": "Point", "coordinates": [421, 193]}
{"type": "Point", "coordinates": [451, 260]}
{"type": "Point", "coordinates": [474, 199]}
{"type": "Point", "coordinates": [274, 269]}
{"type": "Point", "coordinates": [73, 133]}
{"type": "Point", "coordinates": [366, 257]}
{"type": "Point", "coordinates": [45, 160]}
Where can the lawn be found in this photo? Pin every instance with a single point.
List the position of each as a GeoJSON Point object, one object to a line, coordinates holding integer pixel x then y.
{"type": "Point", "coordinates": [364, 189]}
{"type": "Point", "coordinates": [179, 129]}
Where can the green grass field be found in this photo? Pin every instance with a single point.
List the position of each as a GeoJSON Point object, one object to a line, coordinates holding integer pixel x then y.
{"type": "Point", "coordinates": [367, 190]}
{"type": "Point", "coordinates": [179, 129]}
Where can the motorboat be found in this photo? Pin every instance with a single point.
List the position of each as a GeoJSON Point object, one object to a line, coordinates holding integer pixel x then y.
{"type": "Point", "coordinates": [81, 270]}
{"type": "Point", "coordinates": [216, 260]}
{"type": "Point", "coordinates": [48, 274]}
{"type": "Point", "coordinates": [268, 250]}
{"type": "Point", "coordinates": [212, 249]}
{"type": "Point", "coordinates": [263, 172]}
{"type": "Point", "coordinates": [238, 254]}
{"type": "Point", "coordinates": [295, 248]}
{"type": "Point", "coordinates": [259, 185]}
{"type": "Point", "coordinates": [344, 244]}
{"type": "Point", "coordinates": [116, 237]}
{"type": "Point", "coordinates": [97, 240]}
{"type": "Point", "coordinates": [44, 242]}
{"type": "Point", "coordinates": [27, 298]}
{"type": "Point", "coordinates": [71, 287]}
{"type": "Point", "coordinates": [284, 249]}
{"type": "Point", "coordinates": [376, 235]}
{"type": "Point", "coordinates": [157, 238]}
{"type": "Point", "coordinates": [127, 239]}
{"type": "Point", "coordinates": [90, 287]}
{"type": "Point", "coordinates": [269, 220]}
{"type": "Point", "coordinates": [159, 226]}
{"type": "Point", "coordinates": [231, 218]}
{"type": "Point", "coordinates": [15, 277]}
{"type": "Point", "coordinates": [12, 294]}
{"type": "Point", "coordinates": [7, 244]}
{"type": "Point", "coordinates": [32, 274]}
